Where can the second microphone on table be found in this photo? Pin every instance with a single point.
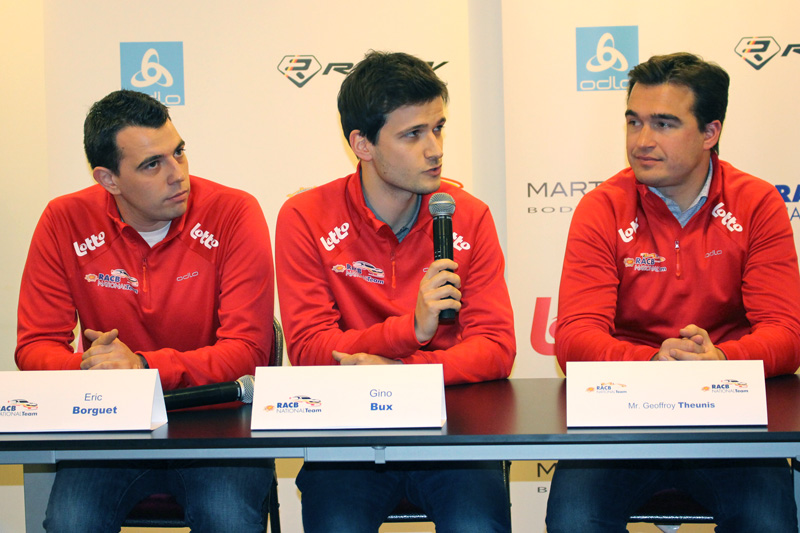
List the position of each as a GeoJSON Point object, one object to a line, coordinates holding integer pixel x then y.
{"type": "Point", "coordinates": [240, 390]}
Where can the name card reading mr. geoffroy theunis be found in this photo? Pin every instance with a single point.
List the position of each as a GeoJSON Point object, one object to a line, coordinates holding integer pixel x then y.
{"type": "Point", "coordinates": [81, 400]}
{"type": "Point", "coordinates": [341, 397]}
{"type": "Point", "coordinates": [673, 393]}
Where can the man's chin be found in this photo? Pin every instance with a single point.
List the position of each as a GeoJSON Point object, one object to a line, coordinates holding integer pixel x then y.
{"type": "Point", "coordinates": [178, 211]}
{"type": "Point", "coordinates": [430, 186]}
{"type": "Point", "coordinates": [647, 177]}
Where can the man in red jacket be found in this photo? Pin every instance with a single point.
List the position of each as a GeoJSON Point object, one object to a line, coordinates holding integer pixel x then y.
{"type": "Point", "coordinates": [679, 257]}
{"type": "Point", "coordinates": [358, 286]}
{"type": "Point", "coordinates": [164, 270]}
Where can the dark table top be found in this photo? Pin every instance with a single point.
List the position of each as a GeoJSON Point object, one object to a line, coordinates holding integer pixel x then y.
{"type": "Point", "coordinates": [520, 412]}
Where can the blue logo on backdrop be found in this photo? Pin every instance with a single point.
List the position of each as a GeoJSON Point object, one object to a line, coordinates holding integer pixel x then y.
{"type": "Point", "coordinates": [605, 55]}
{"type": "Point", "coordinates": [155, 69]}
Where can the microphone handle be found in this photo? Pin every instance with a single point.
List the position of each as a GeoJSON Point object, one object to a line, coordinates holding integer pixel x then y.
{"type": "Point", "coordinates": [443, 249]}
{"type": "Point", "coordinates": [202, 395]}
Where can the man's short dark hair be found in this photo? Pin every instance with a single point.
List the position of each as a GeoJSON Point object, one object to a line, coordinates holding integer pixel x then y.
{"type": "Point", "coordinates": [381, 83]}
{"type": "Point", "coordinates": [108, 116]}
{"type": "Point", "coordinates": [708, 81]}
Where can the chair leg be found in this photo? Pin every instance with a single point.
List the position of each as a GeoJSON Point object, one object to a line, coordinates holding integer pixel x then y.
{"type": "Point", "coordinates": [796, 480]}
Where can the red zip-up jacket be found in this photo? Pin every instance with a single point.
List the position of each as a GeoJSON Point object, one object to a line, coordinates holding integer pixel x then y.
{"type": "Point", "coordinates": [633, 277]}
{"type": "Point", "coordinates": [197, 306]}
{"type": "Point", "coordinates": [345, 283]}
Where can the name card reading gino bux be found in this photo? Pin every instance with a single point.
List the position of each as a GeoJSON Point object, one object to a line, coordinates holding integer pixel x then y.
{"type": "Point", "coordinates": [674, 393]}
{"type": "Point", "coordinates": [348, 397]}
{"type": "Point", "coordinates": [81, 400]}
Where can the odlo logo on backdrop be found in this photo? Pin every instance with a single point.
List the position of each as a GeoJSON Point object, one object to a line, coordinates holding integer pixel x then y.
{"type": "Point", "coordinates": [604, 55]}
{"type": "Point", "coordinates": [155, 69]}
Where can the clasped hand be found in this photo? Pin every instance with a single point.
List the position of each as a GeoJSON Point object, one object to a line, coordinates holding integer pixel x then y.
{"type": "Point", "coordinates": [693, 345]}
{"type": "Point", "coordinates": [108, 352]}
{"type": "Point", "coordinates": [362, 359]}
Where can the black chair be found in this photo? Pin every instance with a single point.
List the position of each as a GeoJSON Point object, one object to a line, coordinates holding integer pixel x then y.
{"type": "Point", "coordinates": [668, 509]}
{"type": "Point", "coordinates": [408, 512]}
{"type": "Point", "coordinates": [163, 510]}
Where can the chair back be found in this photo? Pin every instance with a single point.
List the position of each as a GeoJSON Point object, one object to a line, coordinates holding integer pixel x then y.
{"type": "Point", "coordinates": [276, 353]}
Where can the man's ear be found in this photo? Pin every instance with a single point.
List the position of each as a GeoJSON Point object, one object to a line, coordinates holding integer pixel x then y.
{"type": "Point", "coordinates": [360, 146]}
{"type": "Point", "coordinates": [711, 134]}
{"type": "Point", "coordinates": [106, 179]}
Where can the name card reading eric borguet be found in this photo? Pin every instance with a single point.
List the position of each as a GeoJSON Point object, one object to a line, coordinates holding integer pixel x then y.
{"type": "Point", "coordinates": [77, 400]}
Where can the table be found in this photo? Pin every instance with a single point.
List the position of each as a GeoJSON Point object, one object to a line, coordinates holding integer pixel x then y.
{"type": "Point", "coordinates": [517, 419]}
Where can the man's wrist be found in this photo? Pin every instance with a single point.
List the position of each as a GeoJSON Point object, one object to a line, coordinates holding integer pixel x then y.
{"type": "Point", "coordinates": [144, 362]}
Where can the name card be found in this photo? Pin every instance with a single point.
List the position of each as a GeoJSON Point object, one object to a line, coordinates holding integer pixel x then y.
{"type": "Point", "coordinates": [679, 393]}
{"type": "Point", "coordinates": [348, 397]}
{"type": "Point", "coordinates": [81, 400]}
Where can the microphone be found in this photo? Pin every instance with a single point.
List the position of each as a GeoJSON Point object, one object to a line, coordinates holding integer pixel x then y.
{"type": "Point", "coordinates": [231, 391]}
{"type": "Point", "coordinates": [442, 206]}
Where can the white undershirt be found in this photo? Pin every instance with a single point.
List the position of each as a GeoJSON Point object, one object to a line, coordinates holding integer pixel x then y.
{"type": "Point", "coordinates": [154, 237]}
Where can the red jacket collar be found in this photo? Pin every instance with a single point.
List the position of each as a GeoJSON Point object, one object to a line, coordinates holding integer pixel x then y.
{"type": "Point", "coordinates": [355, 195]}
{"type": "Point", "coordinates": [177, 223]}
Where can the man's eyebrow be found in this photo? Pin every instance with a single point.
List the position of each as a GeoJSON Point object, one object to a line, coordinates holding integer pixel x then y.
{"type": "Point", "coordinates": [157, 157]}
{"type": "Point", "coordinates": [657, 116]}
{"type": "Point", "coordinates": [414, 127]}
{"type": "Point", "coordinates": [149, 160]}
{"type": "Point", "coordinates": [667, 116]}
{"type": "Point", "coordinates": [423, 125]}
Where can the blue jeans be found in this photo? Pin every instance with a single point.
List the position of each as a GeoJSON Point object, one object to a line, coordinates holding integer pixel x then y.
{"type": "Point", "coordinates": [463, 497]}
{"type": "Point", "coordinates": [743, 495]}
{"type": "Point", "coordinates": [216, 495]}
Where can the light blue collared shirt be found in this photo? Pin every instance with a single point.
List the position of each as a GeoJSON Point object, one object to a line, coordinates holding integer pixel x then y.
{"type": "Point", "coordinates": [675, 209]}
{"type": "Point", "coordinates": [402, 233]}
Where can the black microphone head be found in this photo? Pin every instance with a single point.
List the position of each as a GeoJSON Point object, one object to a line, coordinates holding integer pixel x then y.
{"type": "Point", "coordinates": [442, 204]}
{"type": "Point", "coordinates": [247, 384]}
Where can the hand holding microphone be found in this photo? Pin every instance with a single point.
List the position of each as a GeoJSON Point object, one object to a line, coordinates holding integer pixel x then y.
{"type": "Point", "coordinates": [439, 298]}
{"type": "Point", "coordinates": [442, 207]}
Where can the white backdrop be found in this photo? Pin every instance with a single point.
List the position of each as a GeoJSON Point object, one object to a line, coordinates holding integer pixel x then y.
{"type": "Point", "coordinates": [245, 124]}
{"type": "Point", "coordinates": [561, 142]}
{"type": "Point", "coordinates": [520, 134]}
